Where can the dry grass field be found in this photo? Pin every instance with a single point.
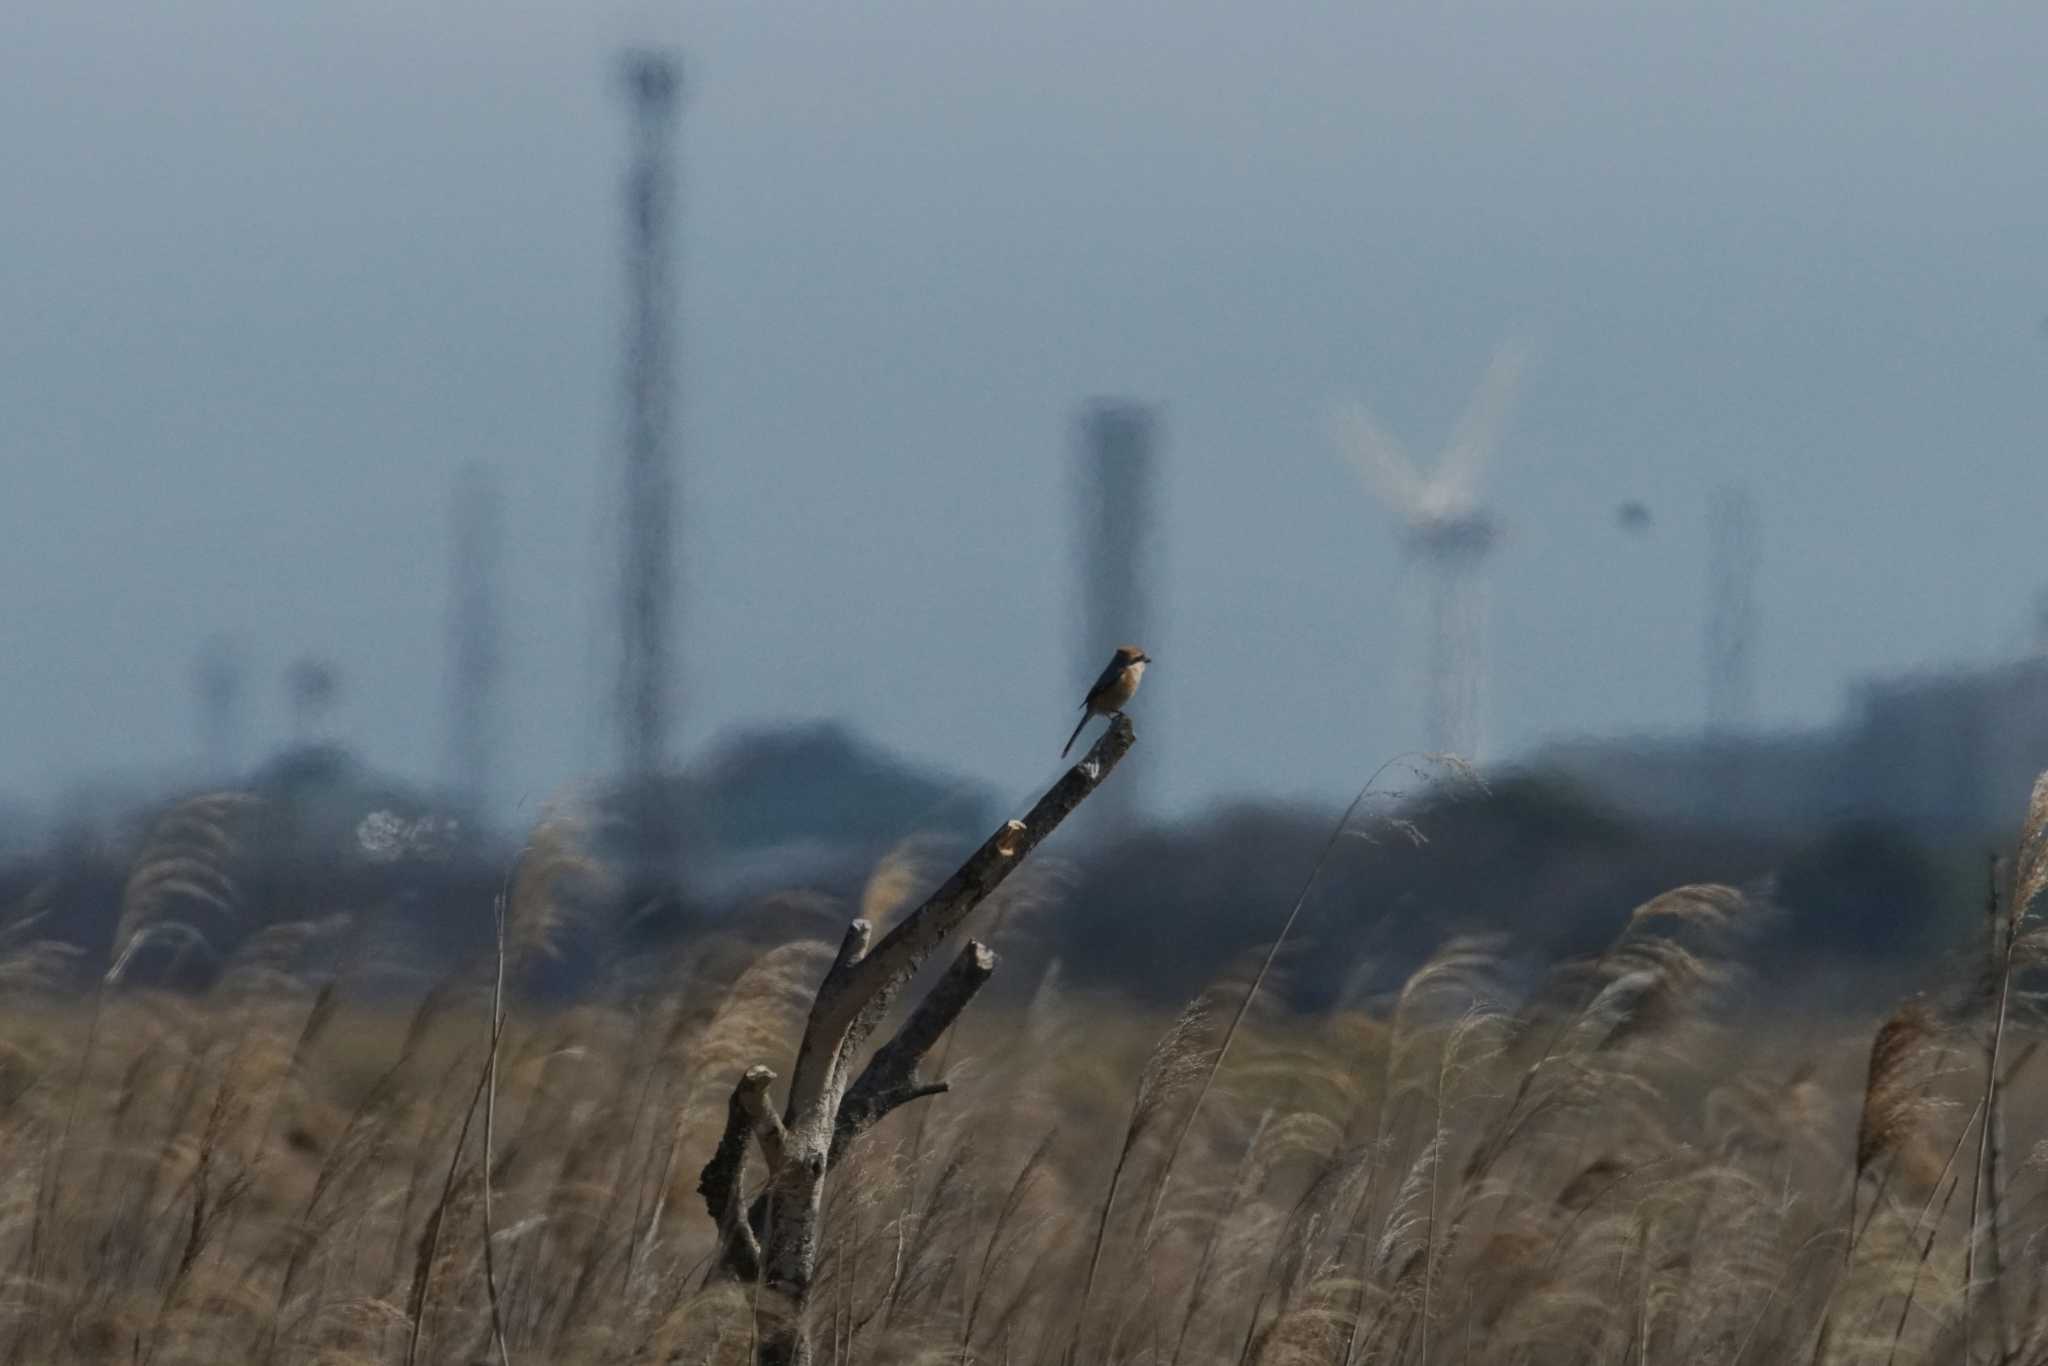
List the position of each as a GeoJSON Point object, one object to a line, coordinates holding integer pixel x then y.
{"type": "Point", "coordinates": [1638, 1161]}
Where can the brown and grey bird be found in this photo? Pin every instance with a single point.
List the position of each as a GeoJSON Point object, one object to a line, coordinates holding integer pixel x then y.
{"type": "Point", "coordinates": [1113, 690]}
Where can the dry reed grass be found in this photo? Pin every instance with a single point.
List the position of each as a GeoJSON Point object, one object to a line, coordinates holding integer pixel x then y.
{"type": "Point", "coordinates": [1630, 1163]}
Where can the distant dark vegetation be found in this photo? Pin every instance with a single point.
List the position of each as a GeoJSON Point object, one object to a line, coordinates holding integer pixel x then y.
{"type": "Point", "coordinates": [1528, 862]}
{"type": "Point", "coordinates": [315, 863]}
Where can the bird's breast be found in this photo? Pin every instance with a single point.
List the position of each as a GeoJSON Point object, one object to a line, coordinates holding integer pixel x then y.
{"type": "Point", "coordinates": [1123, 686]}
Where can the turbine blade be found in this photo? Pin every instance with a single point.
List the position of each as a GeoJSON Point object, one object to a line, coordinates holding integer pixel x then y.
{"type": "Point", "coordinates": [1464, 460]}
{"type": "Point", "coordinates": [1379, 458]}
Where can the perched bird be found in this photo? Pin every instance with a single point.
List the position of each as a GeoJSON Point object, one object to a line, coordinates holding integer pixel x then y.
{"type": "Point", "coordinates": [1112, 691]}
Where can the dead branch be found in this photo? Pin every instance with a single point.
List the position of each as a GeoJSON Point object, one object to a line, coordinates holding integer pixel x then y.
{"type": "Point", "coordinates": [719, 1183]}
{"type": "Point", "coordinates": [775, 1241]}
{"type": "Point", "coordinates": [890, 1078]}
{"type": "Point", "coordinates": [752, 1095]}
{"type": "Point", "coordinates": [860, 987]}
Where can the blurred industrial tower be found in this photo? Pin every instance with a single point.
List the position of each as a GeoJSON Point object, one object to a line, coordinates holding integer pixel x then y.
{"type": "Point", "coordinates": [311, 686]}
{"type": "Point", "coordinates": [1451, 535]}
{"type": "Point", "coordinates": [1117, 506]}
{"type": "Point", "coordinates": [473, 649]}
{"type": "Point", "coordinates": [647, 578]}
{"type": "Point", "coordinates": [217, 679]}
{"type": "Point", "coordinates": [1731, 613]}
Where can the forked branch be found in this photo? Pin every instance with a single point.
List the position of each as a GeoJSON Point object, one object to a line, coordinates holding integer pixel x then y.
{"type": "Point", "coordinates": [861, 985]}
{"type": "Point", "coordinates": [774, 1238]}
{"type": "Point", "coordinates": [890, 1079]}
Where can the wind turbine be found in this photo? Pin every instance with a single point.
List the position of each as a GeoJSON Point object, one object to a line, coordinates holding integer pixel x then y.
{"type": "Point", "coordinates": [1450, 533]}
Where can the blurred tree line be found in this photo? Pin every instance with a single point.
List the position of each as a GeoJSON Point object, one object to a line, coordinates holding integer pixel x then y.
{"type": "Point", "coordinates": [780, 834]}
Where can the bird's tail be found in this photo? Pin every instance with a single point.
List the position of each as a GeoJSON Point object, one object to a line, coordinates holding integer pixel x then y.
{"type": "Point", "coordinates": [1077, 733]}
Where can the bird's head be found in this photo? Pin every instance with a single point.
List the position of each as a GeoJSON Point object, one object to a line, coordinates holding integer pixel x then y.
{"type": "Point", "coordinates": [1127, 655]}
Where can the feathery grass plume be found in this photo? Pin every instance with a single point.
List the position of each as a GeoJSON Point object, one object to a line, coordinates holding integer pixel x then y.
{"type": "Point", "coordinates": [1432, 1005]}
{"type": "Point", "coordinates": [1021, 898]}
{"type": "Point", "coordinates": [1043, 1015]}
{"type": "Point", "coordinates": [1636, 999]}
{"type": "Point", "coordinates": [1708, 906]}
{"type": "Point", "coordinates": [179, 863]}
{"type": "Point", "coordinates": [361, 1151]}
{"type": "Point", "coordinates": [867, 1207]}
{"type": "Point", "coordinates": [1892, 1098]}
{"type": "Point", "coordinates": [1721, 1253]}
{"type": "Point", "coordinates": [1672, 972]}
{"type": "Point", "coordinates": [898, 876]}
{"type": "Point", "coordinates": [1932, 1226]}
{"type": "Point", "coordinates": [1250, 1170]}
{"type": "Point", "coordinates": [661, 1060]}
{"type": "Point", "coordinates": [1306, 1270]}
{"type": "Point", "coordinates": [556, 863]}
{"type": "Point", "coordinates": [39, 968]}
{"type": "Point", "coordinates": [267, 966]}
{"type": "Point", "coordinates": [758, 1016]}
{"type": "Point", "coordinates": [1307, 1333]}
{"type": "Point", "coordinates": [2031, 870]}
{"type": "Point", "coordinates": [1469, 1045]}
{"type": "Point", "coordinates": [1764, 1117]}
{"type": "Point", "coordinates": [2002, 945]}
{"type": "Point", "coordinates": [1001, 1244]}
{"type": "Point", "coordinates": [440, 999]}
{"type": "Point", "coordinates": [676, 1028]}
{"type": "Point", "coordinates": [216, 1183]}
{"type": "Point", "coordinates": [1408, 1216]}
{"type": "Point", "coordinates": [1025, 899]}
{"type": "Point", "coordinates": [1417, 766]}
{"type": "Point", "coordinates": [925, 1265]}
{"type": "Point", "coordinates": [183, 874]}
{"type": "Point", "coordinates": [1174, 1065]}
{"type": "Point", "coordinates": [1441, 994]}
{"type": "Point", "coordinates": [435, 1254]}
{"type": "Point", "coordinates": [587, 1232]}
{"type": "Point", "coordinates": [1273, 1055]}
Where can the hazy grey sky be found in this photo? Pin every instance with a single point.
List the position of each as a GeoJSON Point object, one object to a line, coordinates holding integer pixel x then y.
{"type": "Point", "coordinates": [269, 273]}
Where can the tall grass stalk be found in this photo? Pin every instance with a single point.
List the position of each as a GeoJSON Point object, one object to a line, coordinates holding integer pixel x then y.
{"type": "Point", "coordinates": [1244, 1005]}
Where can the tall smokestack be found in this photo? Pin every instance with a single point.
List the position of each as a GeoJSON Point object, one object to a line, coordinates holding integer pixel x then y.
{"type": "Point", "coordinates": [217, 681]}
{"type": "Point", "coordinates": [1731, 613]}
{"type": "Point", "coordinates": [1116, 496]}
{"type": "Point", "coordinates": [473, 649]}
{"type": "Point", "coordinates": [647, 579]}
{"type": "Point", "coordinates": [1731, 649]}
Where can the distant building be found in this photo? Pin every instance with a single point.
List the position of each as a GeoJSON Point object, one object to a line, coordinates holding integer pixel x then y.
{"type": "Point", "coordinates": [1772, 782]}
{"type": "Point", "coordinates": [1948, 755]}
{"type": "Point", "coordinates": [816, 804]}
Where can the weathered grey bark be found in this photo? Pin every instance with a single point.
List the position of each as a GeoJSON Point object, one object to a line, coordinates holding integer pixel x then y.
{"type": "Point", "coordinates": [775, 1238]}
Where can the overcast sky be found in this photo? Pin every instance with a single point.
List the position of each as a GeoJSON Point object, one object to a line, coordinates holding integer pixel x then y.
{"type": "Point", "coordinates": [269, 273]}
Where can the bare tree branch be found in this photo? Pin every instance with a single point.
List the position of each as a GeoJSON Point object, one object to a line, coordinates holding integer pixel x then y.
{"type": "Point", "coordinates": [773, 1239]}
{"type": "Point", "coordinates": [890, 1078]}
{"type": "Point", "coordinates": [719, 1183]}
{"type": "Point", "coordinates": [820, 1059]}
{"type": "Point", "coordinates": [860, 986]}
{"type": "Point", "coordinates": [752, 1095]}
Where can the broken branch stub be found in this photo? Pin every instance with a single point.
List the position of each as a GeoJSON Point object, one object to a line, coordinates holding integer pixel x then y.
{"type": "Point", "coordinates": [719, 1183]}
